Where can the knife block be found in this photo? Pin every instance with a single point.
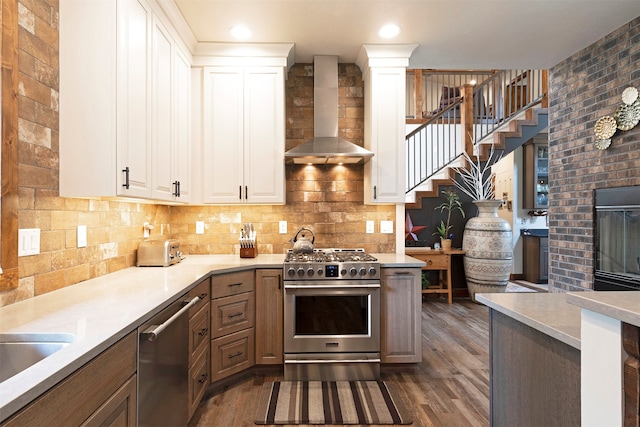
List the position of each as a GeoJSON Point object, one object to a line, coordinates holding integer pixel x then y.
{"type": "Point", "coordinates": [249, 252]}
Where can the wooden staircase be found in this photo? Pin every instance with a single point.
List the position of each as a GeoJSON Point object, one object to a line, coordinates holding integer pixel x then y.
{"type": "Point", "coordinates": [505, 140]}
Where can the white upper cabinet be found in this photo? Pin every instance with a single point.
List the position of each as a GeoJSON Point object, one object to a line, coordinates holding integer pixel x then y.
{"type": "Point", "coordinates": [243, 135]}
{"type": "Point", "coordinates": [170, 149]}
{"type": "Point", "coordinates": [384, 73]}
{"type": "Point", "coordinates": [122, 77]}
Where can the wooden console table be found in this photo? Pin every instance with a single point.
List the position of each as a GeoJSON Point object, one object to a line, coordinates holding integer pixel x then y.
{"type": "Point", "coordinates": [439, 260]}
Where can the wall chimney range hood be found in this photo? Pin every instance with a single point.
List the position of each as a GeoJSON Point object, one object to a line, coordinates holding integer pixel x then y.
{"type": "Point", "coordinates": [326, 147]}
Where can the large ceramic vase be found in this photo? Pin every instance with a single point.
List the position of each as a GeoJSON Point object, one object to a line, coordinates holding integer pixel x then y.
{"type": "Point", "coordinates": [487, 242]}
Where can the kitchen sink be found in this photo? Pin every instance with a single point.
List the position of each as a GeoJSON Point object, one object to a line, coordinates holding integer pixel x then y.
{"type": "Point", "coordinates": [22, 350]}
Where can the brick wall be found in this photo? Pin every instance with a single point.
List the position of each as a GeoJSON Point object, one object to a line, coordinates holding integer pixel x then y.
{"type": "Point", "coordinates": [583, 88]}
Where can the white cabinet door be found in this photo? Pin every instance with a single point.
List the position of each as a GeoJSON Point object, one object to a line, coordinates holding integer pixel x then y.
{"type": "Point", "coordinates": [162, 119]}
{"type": "Point", "coordinates": [134, 98]}
{"type": "Point", "coordinates": [385, 135]}
{"type": "Point", "coordinates": [223, 138]}
{"type": "Point", "coordinates": [264, 135]}
{"type": "Point", "coordinates": [243, 135]}
{"type": "Point", "coordinates": [182, 124]}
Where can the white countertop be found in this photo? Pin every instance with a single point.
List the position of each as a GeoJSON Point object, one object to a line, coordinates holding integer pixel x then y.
{"type": "Point", "coordinates": [549, 313]}
{"type": "Point", "coordinates": [621, 305]}
{"type": "Point", "coordinates": [101, 311]}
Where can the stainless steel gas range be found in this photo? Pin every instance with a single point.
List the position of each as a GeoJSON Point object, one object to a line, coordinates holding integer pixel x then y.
{"type": "Point", "coordinates": [331, 315]}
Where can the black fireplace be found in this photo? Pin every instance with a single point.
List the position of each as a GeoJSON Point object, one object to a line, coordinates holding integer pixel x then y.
{"type": "Point", "coordinates": [617, 239]}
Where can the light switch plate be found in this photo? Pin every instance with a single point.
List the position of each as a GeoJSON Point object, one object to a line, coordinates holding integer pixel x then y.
{"type": "Point", "coordinates": [282, 226]}
{"type": "Point", "coordinates": [82, 236]}
{"type": "Point", "coordinates": [370, 227]}
{"type": "Point", "coordinates": [199, 227]}
{"type": "Point", "coordinates": [386, 227]}
{"type": "Point", "coordinates": [28, 241]}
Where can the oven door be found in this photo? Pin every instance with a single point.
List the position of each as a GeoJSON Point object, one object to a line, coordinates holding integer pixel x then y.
{"type": "Point", "coordinates": [332, 316]}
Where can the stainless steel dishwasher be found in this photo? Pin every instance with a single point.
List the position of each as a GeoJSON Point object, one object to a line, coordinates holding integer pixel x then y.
{"type": "Point", "coordinates": [163, 366]}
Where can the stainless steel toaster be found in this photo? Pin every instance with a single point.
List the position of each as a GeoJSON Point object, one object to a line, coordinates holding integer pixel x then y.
{"type": "Point", "coordinates": [159, 253]}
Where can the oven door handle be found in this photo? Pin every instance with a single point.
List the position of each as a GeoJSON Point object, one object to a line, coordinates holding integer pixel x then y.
{"type": "Point", "coordinates": [334, 287]}
{"type": "Point", "coordinates": [329, 361]}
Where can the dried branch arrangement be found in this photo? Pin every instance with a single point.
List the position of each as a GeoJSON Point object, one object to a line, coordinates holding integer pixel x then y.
{"type": "Point", "coordinates": [477, 181]}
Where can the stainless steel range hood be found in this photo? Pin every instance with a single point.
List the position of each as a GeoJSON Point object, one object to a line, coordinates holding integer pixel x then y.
{"type": "Point", "coordinates": [326, 147]}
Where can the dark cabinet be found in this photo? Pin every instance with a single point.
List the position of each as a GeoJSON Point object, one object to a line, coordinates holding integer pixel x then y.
{"type": "Point", "coordinates": [536, 259]}
{"type": "Point", "coordinates": [536, 175]}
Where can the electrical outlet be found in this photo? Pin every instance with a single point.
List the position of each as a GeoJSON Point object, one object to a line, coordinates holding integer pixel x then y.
{"type": "Point", "coordinates": [82, 236]}
{"type": "Point", "coordinates": [282, 227]}
{"type": "Point", "coordinates": [386, 227]}
{"type": "Point", "coordinates": [28, 241]}
{"type": "Point", "coordinates": [370, 227]}
{"type": "Point", "coordinates": [199, 227]}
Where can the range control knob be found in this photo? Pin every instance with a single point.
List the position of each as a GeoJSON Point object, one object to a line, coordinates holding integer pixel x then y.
{"type": "Point", "coordinates": [343, 272]}
{"type": "Point", "coordinates": [362, 271]}
{"type": "Point", "coordinates": [301, 272]}
{"type": "Point", "coordinates": [372, 271]}
{"type": "Point", "coordinates": [291, 271]}
{"type": "Point", "coordinates": [352, 271]}
{"type": "Point", "coordinates": [320, 272]}
{"type": "Point", "coordinates": [310, 272]}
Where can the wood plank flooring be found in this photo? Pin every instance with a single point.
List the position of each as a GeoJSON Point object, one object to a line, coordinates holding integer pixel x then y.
{"type": "Point", "coordinates": [449, 388]}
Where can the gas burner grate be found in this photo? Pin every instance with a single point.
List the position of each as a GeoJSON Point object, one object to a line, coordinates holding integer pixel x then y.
{"type": "Point", "coordinates": [331, 255]}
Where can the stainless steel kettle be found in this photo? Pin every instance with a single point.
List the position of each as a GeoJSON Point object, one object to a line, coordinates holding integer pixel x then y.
{"type": "Point", "coordinates": [302, 244]}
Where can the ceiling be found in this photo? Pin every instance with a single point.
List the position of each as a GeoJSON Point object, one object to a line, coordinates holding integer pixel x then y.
{"type": "Point", "coordinates": [451, 34]}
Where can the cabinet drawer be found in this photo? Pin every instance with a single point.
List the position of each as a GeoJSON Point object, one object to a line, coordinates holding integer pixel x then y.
{"type": "Point", "coordinates": [434, 262]}
{"type": "Point", "coordinates": [231, 284]}
{"type": "Point", "coordinates": [198, 382]}
{"type": "Point", "coordinates": [203, 290]}
{"type": "Point", "coordinates": [232, 353]}
{"type": "Point", "coordinates": [198, 331]}
{"type": "Point", "coordinates": [232, 314]}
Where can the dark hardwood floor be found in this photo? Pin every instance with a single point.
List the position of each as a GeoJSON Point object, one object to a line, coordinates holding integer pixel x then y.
{"type": "Point", "coordinates": [449, 388]}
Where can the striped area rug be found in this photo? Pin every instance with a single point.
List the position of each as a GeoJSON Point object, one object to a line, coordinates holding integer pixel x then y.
{"type": "Point", "coordinates": [330, 402]}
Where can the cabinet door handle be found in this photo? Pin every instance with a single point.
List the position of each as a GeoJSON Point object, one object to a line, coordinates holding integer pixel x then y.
{"type": "Point", "coordinates": [126, 177]}
{"type": "Point", "coordinates": [203, 378]}
{"type": "Point", "coordinates": [176, 187]}
{"type": "Point", "coordinates": [279, 282]}
{"type": "Point", "coordinates": [202, 296]}
{"type": "Point", "coordinates": [231, 316]}
{"type": "Point", "coordinates": [402, 273]}
{"type": "Point", "coordinates": [375, 192]}
{"type": "Point", "coordinates": [240, 192]}
{"type": "Point", "coordinates": [246, 192]}
{"type": "Point", "coordinates": [203, 332]}
{"type": "Point", "coordinates": [234, 284]}
{"type": "Point", "coordinates": [231, 356]}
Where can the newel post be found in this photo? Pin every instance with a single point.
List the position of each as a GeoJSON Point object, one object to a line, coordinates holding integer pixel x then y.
{"type": "Point", "coordinates": [466, 118]}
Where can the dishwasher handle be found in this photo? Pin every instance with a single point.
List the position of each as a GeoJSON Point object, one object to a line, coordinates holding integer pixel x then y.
{"type": "Point", "coordinates": [152, 334]}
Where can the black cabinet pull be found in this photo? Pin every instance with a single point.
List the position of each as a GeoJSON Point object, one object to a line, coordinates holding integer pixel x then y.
{"type": "Point", "coordinates": [375, 192]}
{"type": "Point", "coordinates": [202, 296]}
{"type": "Point", "coordinates": [279, 282]}
{"type": "Point", "coordinates": [176, 187]}
{"type": "Point", "coordinates": [231, 356]}
{"type": "Point", "coordinates": [246, 194]}
{"type": "Point", "coordinates": [203, 378]}
{"type": "Point", "coordinates": [231, 316]}
{"type": "Point", "coordinates": [234, 284]}
{"type": "Point", "coordinates": [240, 192]}
{"type": "Point", "coordinates": [203, 332]}
{"type": "Point", "coordinates": [126, 177]}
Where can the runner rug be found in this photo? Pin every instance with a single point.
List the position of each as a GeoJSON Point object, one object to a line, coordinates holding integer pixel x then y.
{"type": "Point", "coordinates": [331, 402]}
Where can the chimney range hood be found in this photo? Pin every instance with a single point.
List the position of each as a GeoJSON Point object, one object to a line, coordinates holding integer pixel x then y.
{"type": "Point", "coordinates": [326, 147]}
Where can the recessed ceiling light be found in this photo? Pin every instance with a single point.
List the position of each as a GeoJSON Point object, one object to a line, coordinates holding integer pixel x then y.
{"type": "Point", "coordinates": [240, 32]}
{"type": "Point", "coordinates": [389, 31]}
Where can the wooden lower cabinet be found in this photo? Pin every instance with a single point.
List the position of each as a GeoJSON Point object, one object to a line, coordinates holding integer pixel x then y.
{"type": "Point", "coordinates": [536, 259]}
{"type": "Point", "coordinates": [102, 392]}
{"type": "Point", "coordinates": [232, 323]}
{"type": "Point", "coordinates": [400, 315]}
{"type": "Point", "coordinates": [269, 317]}
{"type": "Point", "coordinates": [199, 341]}
{"type": "Point", "coordinates": [232, 353]}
